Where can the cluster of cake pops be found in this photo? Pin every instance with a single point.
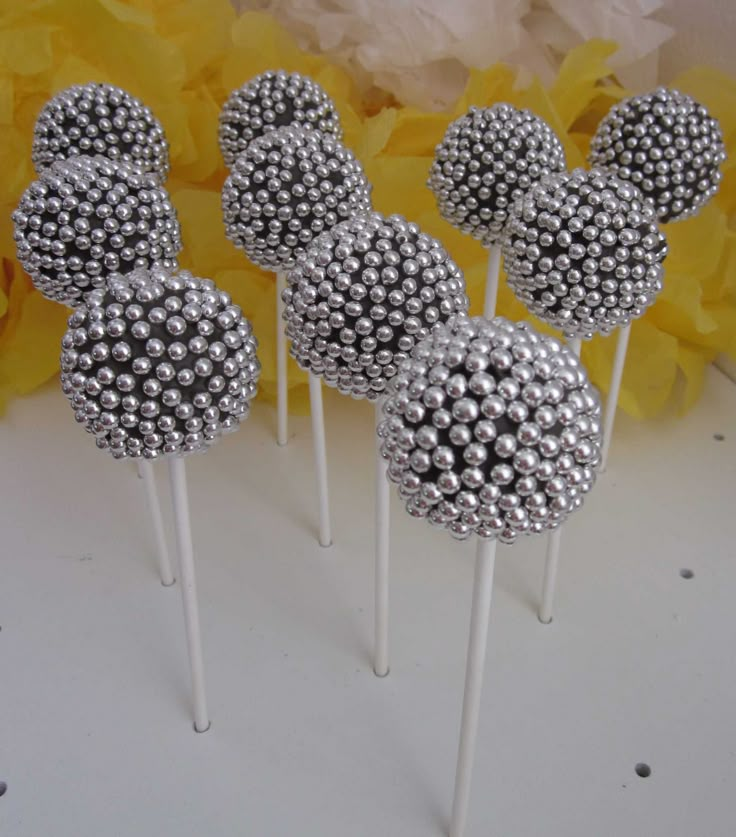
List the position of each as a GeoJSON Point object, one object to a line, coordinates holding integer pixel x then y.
{"type": "Point", "coordinates": [156, 362]}
{"type": "Point", "coordinates": [584, 252]}
{"type": "Point", "coordinates": [487, 427]}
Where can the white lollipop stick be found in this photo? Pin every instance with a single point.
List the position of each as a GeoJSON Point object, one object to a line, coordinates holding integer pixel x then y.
{"type": "Point", "coordinates": [320, 459]}
{"type": "Point", "coordinates": [551, 564]}
{"type": "Point", "coordinates": [282, 384]}
{"type": "Point", "coordinates": [178, 480]}
{"type": "Point", "coordinates": [145, 472]}
{"type": "Point", "coordinates": [492, 279]}
{"type": "Point", "coordinates": [380, 661]}
{"type": "Point", "coordinates": [609, 416]}
{"type": "Point", "coordinates": [479, 619]}
{"type": "Point", "coordinates": [552, 559]}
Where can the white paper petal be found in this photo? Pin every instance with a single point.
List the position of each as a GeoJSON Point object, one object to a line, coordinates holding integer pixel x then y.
{"type": "Point", "coordinates": [421, 50]}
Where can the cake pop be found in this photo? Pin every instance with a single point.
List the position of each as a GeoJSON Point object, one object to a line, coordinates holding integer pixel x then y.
{"type": "Point", "coordinates": [162, 364]}
{"type": "Point", "coordinates": [487, 159]}
{"type": "Point", "coordinates": [288, 186]}
{"type": "Point", "coordinates": [358, 301]}
{"type": "Point", "coordinates": [363, 295]}
{"type": "Point", "coordinates": [491, 429]}
{"type": "Point", "coordinates": [666, 144]}
{"type": "Point", "coordinates": [87, 217]}
{"type": "Point", "coordinates": [672, 149]}
{"type": "Point", "coordinates": [271, 100]}
{"type": "Point", "coordinates": [159, 364]}
{"type": "Point", "coordinates": [91, 119]}
{"type": "Point", "coordinates": [584, 252]}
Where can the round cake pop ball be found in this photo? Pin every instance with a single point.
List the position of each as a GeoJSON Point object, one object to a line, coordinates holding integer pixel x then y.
{"type": "Point", "coordinates": [363, 295]}
{"type": "Point", "coordinates": [487, 159]}
{"type": "Point", "coordinates": [90, 119]}
{"type": "Point", "coordinates": [274, 99]}
{"type": "Point", "coordinates": [286, 188]}
{"type": "Point", "coordinates": [85, 218]}
{"type": "Point", "coordinates": [666, 144]}
{"type": "Point", "coordinates": [492, 428]}
{"type": "Point", "coordinates": [584, 252]}
{"type": "Point", "coordinates": [159, 363]}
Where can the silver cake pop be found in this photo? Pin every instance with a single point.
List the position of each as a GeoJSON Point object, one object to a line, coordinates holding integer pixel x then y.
{"type": "Point", "coordinates": [85, 218]}
{"type": "Point", "coordinates": [90, 119]}
{"type": "Point", "coordinates": [584, 252]}
{"type": "Point", "coordinates": [363, 295]}
{"type": "Point", "coordinates": [159, 363]}
{"type": "Point", "coordinates": [492, 428]}
{"type": "Point", "coordinates": [666, 144]}
{"type": "Point", "coordinates": [287, 187]}
{"type": "Point", "coordinates": [271, 100]}
{"type": "Point", "coordinates": [486, 160]}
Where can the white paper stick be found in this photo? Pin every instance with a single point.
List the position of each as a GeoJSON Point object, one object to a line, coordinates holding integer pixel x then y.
{"type": "Point", "coordinates": [145, 471]}
{"type": "Point", "coordinates": [552, 559]}
{"type": "Point", "coordinates": [282, 384]}
{"type": "Point", "coordinates": [492, 279]}
{"type": "Point", "coordinates": [380, 662]}
{"type": "Point", "coordinates": [609, 416]}
{"type": "Point", "coordinates": [479, 619]}
{"type": "Point", "coordinates": [575, 344]}
{"type": "Point", "coordinates": [188, 583]}
{"type": "Point", "coordinates": [320, 459]}
{"type": "Point", "coordinates": [551, 563]}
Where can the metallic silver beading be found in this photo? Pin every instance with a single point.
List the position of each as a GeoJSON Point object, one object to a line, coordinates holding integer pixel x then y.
{"type": "Point", "coordinates": [491, 428]}
{"type": "Point", "coordinates": [487, 159]}
{"type": "Point", "coordinates": [274, 99]}
{"type": "Point", "coordinates": [363, 295]}
{"type": "Point", "coordinates": [159, 364]}
{"type": "Point", "coordinates": [286, 188]}
{"type": "Point", "coordinates": [90, 119]}
{"type": "Point", "coordinates": [85, 218]}
{"type": "Point", "coordinates": [666, 144]}
{"type": "Point", "coordinates": [584, 252]}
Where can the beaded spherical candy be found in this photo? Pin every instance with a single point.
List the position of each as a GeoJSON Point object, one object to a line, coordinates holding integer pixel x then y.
{"type": "Point", "coordinates": [85, 218]}
{"type": "Point", "coordinates": [273, 100]}
{"type": "Point", "coordinates": [486, 160]}
{"type": "Point", "coordinates": [159, 363]}
{"type": "Point", "coordinates": [363, 295]}
{"type": "Point", "coordinates": [491, 428]}
{"type": "Point", "coordinates": [584, 253]}
{"type": "Point", "coordinates": [666, 144]}
{"type": "Point", "coordinates": [287, 187]}
{"type": "Point", "coordinates": [90, 119]}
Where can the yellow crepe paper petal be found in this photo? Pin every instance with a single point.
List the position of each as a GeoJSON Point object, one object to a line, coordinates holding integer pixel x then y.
{"type": "Point", "coordinates": [692, 362]}
{"type": "Point", "coordinates": [182, 57]}
{"type": "Point", "coordinates": [577, 82]}
{"type": "Point", "coordinates": [30, 340]}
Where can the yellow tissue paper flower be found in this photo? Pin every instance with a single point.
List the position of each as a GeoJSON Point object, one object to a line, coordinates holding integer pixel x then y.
{"type": "Point", "coordinates": [183, 57]}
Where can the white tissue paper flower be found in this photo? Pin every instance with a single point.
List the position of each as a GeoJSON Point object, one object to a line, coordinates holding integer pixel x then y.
{"type": "Point", "coordinates": [421, 50]}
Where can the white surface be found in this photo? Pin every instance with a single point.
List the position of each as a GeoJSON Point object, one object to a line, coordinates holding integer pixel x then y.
{"type": "Point", "coordinates": [95, 731]}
